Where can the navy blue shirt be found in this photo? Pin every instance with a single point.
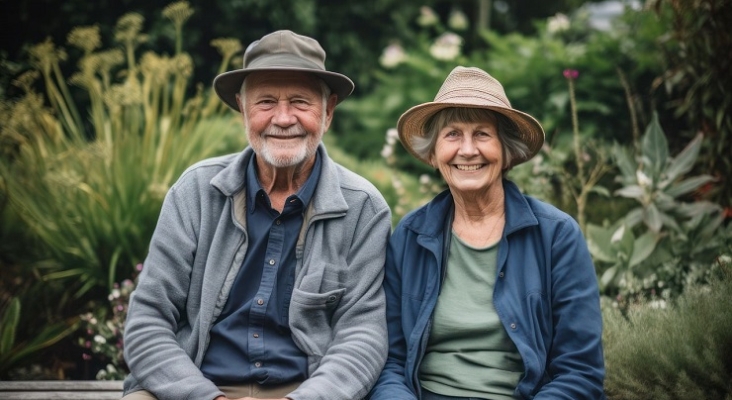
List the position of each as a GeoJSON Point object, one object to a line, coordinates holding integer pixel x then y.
{"type": "Point", "coordinates": [250, 341]}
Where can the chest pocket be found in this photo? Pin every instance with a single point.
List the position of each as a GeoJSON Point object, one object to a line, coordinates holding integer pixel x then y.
{"type": "Point", "coordinates": [310, 319]}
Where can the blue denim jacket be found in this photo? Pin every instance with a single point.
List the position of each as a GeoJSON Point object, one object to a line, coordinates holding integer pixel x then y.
{"type": "Point", "coordinates": [546, 296]}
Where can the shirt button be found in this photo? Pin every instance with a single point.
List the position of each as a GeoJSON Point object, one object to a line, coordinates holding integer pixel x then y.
{"type": "Point", "coordinates": [260, 301]}
{"type": "Point", "coordinates": [500, 274]}
{"type": "Point", "coordinates": [256, 335]}
{"type": "Point", "coordinates": [513, 325]}
{"type": "Point", "coordinates": [272, 262]}
{"type": "Point", "coordinates": [278, 222]}
{"type": "Point", "coordinates": [257, 364]}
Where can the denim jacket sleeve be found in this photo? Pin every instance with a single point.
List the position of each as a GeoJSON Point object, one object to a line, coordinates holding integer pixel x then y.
{"type": "Point", "coordinates": [575, 363]}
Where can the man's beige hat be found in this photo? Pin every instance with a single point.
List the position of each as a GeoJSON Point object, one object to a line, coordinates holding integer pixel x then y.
{"type": "Point", "coordinates": [472, 88]}
{"type": "Point", "coordinates": [281, 51]}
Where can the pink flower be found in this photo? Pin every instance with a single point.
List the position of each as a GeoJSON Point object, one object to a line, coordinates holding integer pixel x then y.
{"type": "Point", "coordinates": [86, 357]}
{"type": "Point", "coordinates": [138, 267]}
{"type": "Point", "coordinates": [571, 73]}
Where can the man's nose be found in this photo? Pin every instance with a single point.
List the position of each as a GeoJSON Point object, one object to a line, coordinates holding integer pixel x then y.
{"type": "Point", "coordinates": [283, 115]}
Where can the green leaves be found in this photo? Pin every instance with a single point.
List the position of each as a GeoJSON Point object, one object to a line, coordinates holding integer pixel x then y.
{"type": "Point", "coordinates": [9, 325]}
{"type": "Point", "coordinates": [666, 227]}
{"type": "Point", "coordinates": [618, 246]}
{"type": "Point", "coordinates": [656, 181]}
{"type": "Point", "coordinates": [655, 149]}
{"type": "Point", "coordinates": [12, 351]}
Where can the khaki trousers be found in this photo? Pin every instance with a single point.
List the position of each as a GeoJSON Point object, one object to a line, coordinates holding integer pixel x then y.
{"type": "Point", "coordinates": [235, 392]}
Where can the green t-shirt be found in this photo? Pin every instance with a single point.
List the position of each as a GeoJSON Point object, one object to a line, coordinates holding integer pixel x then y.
{"type": "Point", "coordinates": [469, 353]}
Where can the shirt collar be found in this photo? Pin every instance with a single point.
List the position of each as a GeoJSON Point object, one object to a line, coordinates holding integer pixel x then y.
{"type": "Point", "coordinates": [304, 194]}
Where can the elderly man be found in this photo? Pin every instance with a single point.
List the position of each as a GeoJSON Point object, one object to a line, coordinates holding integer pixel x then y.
{"type": "Point", "coordinates": [264, 273]}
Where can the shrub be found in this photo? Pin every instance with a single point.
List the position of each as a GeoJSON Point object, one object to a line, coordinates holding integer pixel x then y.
{"type": "Point", "coordinates": [678, 350]}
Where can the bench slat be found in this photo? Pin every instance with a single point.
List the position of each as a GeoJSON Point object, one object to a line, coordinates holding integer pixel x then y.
{"type": "Point", "coordinates": [76, 386]}
{"type": "Point", "coordinates": [66, 395]}
{"type": "Point", "coordinates": [60, 390]}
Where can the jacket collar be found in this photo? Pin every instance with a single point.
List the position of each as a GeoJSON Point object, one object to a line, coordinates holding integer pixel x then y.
{"type": "Point", "coordinates": [430, 220]}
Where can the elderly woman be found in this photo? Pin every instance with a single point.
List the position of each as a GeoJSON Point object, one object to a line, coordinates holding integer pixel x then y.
{"type": "Point", "coordinates": [490, 294]}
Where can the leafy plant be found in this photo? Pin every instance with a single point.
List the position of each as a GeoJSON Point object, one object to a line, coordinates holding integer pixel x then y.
{"type": "Point", "coordinates": [14, 349]}
{"type": "Point", "coordinates": [86, 191]}
{"type": "Point", "coordinates": [665, 236]}
{"type": "Point", "coordinates": [654, 182]}
{"type": "Point", "coordinates": [697, 78]}
{"type": "Point", "coordinates": [93, 201]}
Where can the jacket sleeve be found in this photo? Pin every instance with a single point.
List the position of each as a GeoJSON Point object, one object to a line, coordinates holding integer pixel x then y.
{"type": "Point", "coordinates": [392, 384]}
{"type": "Point", "coordinates": [356, 351]}
{"type": "Point", "coordinates": [157, 309]}
{"type": "Point", "coordinates": [575, 360]}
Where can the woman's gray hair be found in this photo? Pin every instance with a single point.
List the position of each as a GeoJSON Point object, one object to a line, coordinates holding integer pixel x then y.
{"type": "Point", "coordinates": [514, 149]}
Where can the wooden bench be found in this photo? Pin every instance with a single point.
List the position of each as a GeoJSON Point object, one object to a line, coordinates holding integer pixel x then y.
{"type": "Point", "coordinates": [47, 390]}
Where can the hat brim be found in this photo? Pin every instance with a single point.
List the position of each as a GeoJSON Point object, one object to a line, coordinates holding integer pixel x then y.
{"type": "Point", "coordinates": [412, 123]}
{"type": "Point", "coordinates": [228, 84]}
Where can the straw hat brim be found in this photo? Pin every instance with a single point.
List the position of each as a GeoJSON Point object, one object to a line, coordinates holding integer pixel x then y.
{"type": "Point", "coordinates": [228, 84]}
{"type": "Point", "coordinates": [412, 123]}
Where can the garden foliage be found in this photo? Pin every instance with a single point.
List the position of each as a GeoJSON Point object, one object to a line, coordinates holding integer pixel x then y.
{"type": "Point", "coordinates": [682, 351]}
{"type": "Point", "coordinates": [86, 191]}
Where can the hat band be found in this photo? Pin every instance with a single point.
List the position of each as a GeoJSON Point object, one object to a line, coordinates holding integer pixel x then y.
{"type": "Point", "coordinates": [284, 60]}
{"type": "Point", "coordinates": [473, 96]}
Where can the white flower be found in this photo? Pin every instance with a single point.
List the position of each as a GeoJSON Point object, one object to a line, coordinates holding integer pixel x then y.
{"type": "Point", "coordinates": [392, 56]}
{"type": "Point", "coordinates": [100, 339]}
{"type": "Point", "coordinates": [427, 16]}
{"type": "Point", "coordinates": [458, 20]}
{"type": "Point", "coordinates": [446, 47]}
{"type": "Point", "coordinates": [387, 151]}
{"type": "Point", "coordinates": [558, 23]}
{"type": "Point", "coordinates": [658, 304]}
{"type": "Point", "coordinates": [424, 179]}
{"type": "Point", "coordinates": [392, 135]}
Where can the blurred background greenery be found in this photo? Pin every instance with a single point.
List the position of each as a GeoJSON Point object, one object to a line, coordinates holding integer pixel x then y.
{"type": "Point", "coordinates": [104, 104]}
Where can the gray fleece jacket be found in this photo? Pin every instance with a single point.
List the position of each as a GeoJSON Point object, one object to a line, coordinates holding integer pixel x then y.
{"type": "Point", "coordinates": [337, 310]}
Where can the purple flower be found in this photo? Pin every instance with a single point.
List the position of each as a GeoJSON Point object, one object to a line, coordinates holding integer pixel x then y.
{"type": "Point", "coordinates": [571, 73]}
{"type": "Point", "coordinates": [86, 357]}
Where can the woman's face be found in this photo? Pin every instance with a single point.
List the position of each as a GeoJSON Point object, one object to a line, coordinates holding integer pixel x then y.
{"type": "Point", "coordinates": [469, 155]}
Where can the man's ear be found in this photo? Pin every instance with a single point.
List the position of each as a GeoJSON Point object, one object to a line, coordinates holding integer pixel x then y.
{"type": "Point", "coordinates": [240, 103]}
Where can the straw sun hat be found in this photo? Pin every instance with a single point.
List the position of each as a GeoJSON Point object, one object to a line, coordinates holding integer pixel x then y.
{"type": "Point", "coordinates": [472, 88]}
{"type": "Point", "coordinates": [281, 51]}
